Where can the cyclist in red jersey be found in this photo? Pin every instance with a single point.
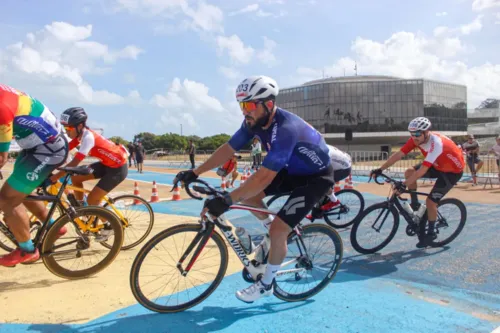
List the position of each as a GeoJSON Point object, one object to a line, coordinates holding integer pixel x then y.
{"type": "Point", "coordinates": [444, 161]}
{"type": "Point", "coordinates": [112, 168]}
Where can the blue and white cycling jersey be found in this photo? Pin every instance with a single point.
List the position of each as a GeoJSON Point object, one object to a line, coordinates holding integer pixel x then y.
{"type": "Point", "coordinates": [290, 143]}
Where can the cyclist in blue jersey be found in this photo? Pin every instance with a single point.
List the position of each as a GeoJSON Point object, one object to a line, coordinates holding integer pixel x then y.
{"type": "Point", "coordinates": [297, 161]}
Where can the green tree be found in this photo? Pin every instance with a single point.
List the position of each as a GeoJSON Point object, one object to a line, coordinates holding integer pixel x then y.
{"type": "Point", "coordinates": [147, 139]}
{"type": "Point", "coordinates": [118, 139]}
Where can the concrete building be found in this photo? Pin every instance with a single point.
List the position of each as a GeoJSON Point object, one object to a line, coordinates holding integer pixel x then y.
{"type": "Point", "coordinates": [377, 109]}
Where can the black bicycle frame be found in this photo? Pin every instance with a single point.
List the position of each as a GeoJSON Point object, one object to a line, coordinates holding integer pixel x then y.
{"type": "Point", "coordinates": [55, 199]}
{"type": "Point", "coordinates": [396, 201]}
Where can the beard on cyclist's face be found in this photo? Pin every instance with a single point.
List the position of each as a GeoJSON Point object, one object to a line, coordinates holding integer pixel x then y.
{"type": "Point", "coordinates": [254, 117]}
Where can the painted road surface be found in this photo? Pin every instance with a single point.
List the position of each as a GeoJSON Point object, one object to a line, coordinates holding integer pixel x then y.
{"type": "Point", "coordinates": [401, 289]}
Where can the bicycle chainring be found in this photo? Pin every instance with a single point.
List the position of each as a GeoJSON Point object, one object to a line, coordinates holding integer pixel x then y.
{"type": "Point", "coordinates": [411, 230]}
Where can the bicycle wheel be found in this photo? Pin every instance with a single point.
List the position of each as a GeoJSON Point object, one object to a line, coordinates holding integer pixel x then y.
{"type": "Point", "coordinates": [277, 201]}
{"type": "Point", "coordinates": [311, 272]}
{"type": "Point", "coordinates": [35, 225]}
{"type": "Point", "coordinates": [351, 206]}
{"type": "Point", "coordinates": [358, 235]}
{"type": "Point", "coordinates": [443, 220]}
{"type": "Point", "coordinates": [79, 248]}
{"type": "Point", "coordinates": [139, 216]}
{"type": "Point", "coordinates": [147, 270]}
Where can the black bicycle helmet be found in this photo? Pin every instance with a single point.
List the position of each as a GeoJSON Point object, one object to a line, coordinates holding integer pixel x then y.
{"type": "Point", "coordinates": [73, 116]}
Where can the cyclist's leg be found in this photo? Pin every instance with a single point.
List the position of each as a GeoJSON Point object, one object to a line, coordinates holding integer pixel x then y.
{"type": "Point", "coordinates": [472, 168]}
{"type": "Point", "coordinates": [306, 193]}
{"type": "Point", "coordinates": [444, 183]}
{"type": "Point", "coordinates": [31, 169]}
{"type": "Point", "coordinates": [111, 179]}
{"type": "Point", "coordinates": [413, 187]}
{"type": "Point", "coordinates": [338, 175]}
{"type": "Point", "coordinates": [479, 163]}
{"type": "Point", "coordinates": [99, 170]}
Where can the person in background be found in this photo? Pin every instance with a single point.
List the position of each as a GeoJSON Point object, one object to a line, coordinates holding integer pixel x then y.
{"type": "Point", "coordinates": [139, 156]}
{"type": "Point", "coordinates": [496, 150]}
{"type": "Point", "coordinates": [131, 150]}
{"type": "Point", "coordinates": [472, 149]}
{"type": "Point", "coordinates": [230, 168]}
{"type": "Point", "coordinates": [256, 153]}
{"type": "Point", "coordinates": [191, 151]}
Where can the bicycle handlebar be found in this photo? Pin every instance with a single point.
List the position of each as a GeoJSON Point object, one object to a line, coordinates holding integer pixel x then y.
{"type": "Point", "coordinates": [206, 189]}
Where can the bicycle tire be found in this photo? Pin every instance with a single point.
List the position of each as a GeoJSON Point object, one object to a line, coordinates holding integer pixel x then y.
{"type": "Point", "coordinates": [362, 207]}
{"type": "Point", "coordinates": [51, 237]}
{"type": "Point", "coordinates": [463, 219]}
{"type": "Point", "coordinates": [354, 239]}
{"type": "Point", "coordinates": [8, 248]}
{"type": "Point", "coordinates": [339, 250]}
{"type": "Point", "coordinates": [150, 225]}
{"type": "Point", "coordinates": [144, 251]}
{"type": "Point", "coordinates": [275, 197]}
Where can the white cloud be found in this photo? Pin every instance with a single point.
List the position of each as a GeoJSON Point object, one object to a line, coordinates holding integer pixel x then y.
{"type": "Point", "coordinates": [205, 17]}
{"type": "Point", "coordinates": [55, 59]}
{"type": "Point", "coordinates": [238, 52]}
{"type": "Point", "coordinates": [474, 26]}
{"type": "Point", "coordinates": [266, 55]}
{"type": "Point", "coordinates": [498, 18]}
{"type": "Point", "coordinates": [273, 2]}
{"type": "Point", "coordinates": [192, 103]}
{"type": "Point", "coordinates": [410, 55]}
{"type": "Point", "coordinates": [480, 5]}
{"type": "Point", "coordinates": [441, 14]}
{"type": "Point", "coordinates": [229, 72]}
{"type": "Point", "coordinates": [465, 29]}
{"type": "Point", "coordinates": [248, 9]}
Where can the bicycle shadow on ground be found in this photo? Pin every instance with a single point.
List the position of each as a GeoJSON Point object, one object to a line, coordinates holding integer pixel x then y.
{"type": "Point", "coordinates": [362, 267]}
{"type": "Point", "coordinates": [206, 319]}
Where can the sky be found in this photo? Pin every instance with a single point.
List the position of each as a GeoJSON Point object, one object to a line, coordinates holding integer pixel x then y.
{"type": "Point", "coordinates": [159, 65]}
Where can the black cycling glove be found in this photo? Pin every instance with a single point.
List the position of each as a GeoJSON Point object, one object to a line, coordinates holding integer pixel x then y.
{"type": "Point", "coordinates": [218, 205]}
{"type": "Point", "coordinates": [186, 176]}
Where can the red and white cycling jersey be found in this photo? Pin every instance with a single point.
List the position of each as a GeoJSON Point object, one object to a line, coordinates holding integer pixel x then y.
{"type": "Point", "coordinates": [93, 144]}
{"type": "Point", "coordinates": [440, 152]}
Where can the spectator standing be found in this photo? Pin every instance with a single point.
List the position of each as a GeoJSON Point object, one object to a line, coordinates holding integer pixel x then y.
{"type": "Point", "coordinates": [131, 150]}
{"type": "Point", "coordinates": [472, 150]}
{"type": "Point", "coordinates": [139, 156]}
{"type": "Point", "coordinates": [256, 153]}
{"type": "Point", "coordinates": [192, 151]}
{"type": "Point", "coordinates": [496, 150]}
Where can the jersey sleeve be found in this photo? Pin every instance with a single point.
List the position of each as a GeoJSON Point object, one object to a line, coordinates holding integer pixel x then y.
{"type": "Point", "coordinates": [434, 152]}
{"type": "Point", "coordinates": [6, 130]}
{"type": "Point", "coordinates": [73, 144]}
{"type": "Point", "coordinates": [88, 142]}
{"type": "Point", "coordinates": [240, 138]}
{"type": "Point", "coordinates": [408, 147]}
{"type": "Point", "coordinates": [282, 146]}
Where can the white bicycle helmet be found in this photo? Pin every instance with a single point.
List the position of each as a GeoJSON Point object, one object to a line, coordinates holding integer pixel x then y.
{"type": "Point", "coordinates": [257, 88]}
{"type": "Point", "coordinates": [419, 124]}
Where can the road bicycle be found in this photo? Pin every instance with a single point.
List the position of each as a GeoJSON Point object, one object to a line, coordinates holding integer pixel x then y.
{"type": "Point", "coordinates": [343, 215]}
{"type": "Point", "coordinates": [415, 225]}
{"type": "Point", "coordinates": [81, 221]}
{"type": "Point", "coordinates": [199, 246]}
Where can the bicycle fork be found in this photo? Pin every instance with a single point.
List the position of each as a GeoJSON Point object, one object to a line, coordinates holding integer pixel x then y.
{"type": "Point", "coordinates": [201, 240]}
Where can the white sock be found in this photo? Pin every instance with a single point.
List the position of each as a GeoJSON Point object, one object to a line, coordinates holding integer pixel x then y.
{"type": "Point", "coordinates": [270, 273]}
{"type": "Point", "coordinates": [332, 197]}
{"type": "Point", "coordinates": [267, 222]}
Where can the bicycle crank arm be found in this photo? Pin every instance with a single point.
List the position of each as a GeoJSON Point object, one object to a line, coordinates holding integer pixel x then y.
{"type": "Point", "coordinates": [290, 271]}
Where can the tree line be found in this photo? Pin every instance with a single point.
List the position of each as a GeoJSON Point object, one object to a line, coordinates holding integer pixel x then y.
{"type": "Point", "coordinates": [172, 141]}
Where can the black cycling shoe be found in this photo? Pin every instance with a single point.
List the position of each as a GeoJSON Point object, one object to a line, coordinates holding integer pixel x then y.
{"type": "Point", "coordinates": [426, 239]}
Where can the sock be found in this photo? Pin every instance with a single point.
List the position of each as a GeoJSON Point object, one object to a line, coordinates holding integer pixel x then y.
{"type": "Point", "coordinates": [332, 197]}
{"type": "Point", "coordinates": [414, 198]}
{"type": "Point", "coordinates": [270, 273]}
{"type": "Point", "coordinates": [267, 222]}
{"type": "Point", "coordinates": [27, 246]}
{"type": "Point", "coordinates": [51, 222]}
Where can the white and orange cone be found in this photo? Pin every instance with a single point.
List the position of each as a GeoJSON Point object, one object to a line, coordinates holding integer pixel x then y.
{"type": "Point", "coordinates": [348, 183]}
{"type": "Point", "coordinates": [154, 193]}
{"type": "Point", "coordinates": [337, 187]}
{"type": "Point", "coordinates": [136, 192]}
{"type": "Point", "coordinates": [177, 194]}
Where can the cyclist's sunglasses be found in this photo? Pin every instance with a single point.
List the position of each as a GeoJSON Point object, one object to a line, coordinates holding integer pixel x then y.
{"type": "Point", "coordinates": [68, 128]}
{"type": "Point", "coordinates": [416, 134]}
{"type": "Point", "coordinates": [248, 106]}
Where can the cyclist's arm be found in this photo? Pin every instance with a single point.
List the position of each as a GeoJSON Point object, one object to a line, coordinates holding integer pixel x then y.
{"type": "Point", "coordinates": [6, 132]}
{"type": "Point", "coordinates": [87, 143]}
{"type": "Point", "coordinates": [392, 159]}
{"type": "Point", "coordinates": [278, 156]}
{"type": "Point", "coordinates": [226, 151]}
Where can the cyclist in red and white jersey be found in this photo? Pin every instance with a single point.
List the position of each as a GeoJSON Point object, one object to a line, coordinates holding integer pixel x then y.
{"type": "Point", "coordinates": [443, 160]}
{"type": "Point", "coordinates": [112, 168]}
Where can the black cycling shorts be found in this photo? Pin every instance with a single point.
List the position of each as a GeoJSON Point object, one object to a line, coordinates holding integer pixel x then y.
{"type": "Point", "coordinates": [109, 177]}
{"type": "Point", "coordinates": [306, 191]}
{"type": "Point", "coordinates": [341, 174]}
{"type": "Point", "coordinates": [444, 183]}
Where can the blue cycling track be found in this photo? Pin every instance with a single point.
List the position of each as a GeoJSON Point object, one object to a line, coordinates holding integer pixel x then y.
{"type": "Point", "coordinates": [403, 289]}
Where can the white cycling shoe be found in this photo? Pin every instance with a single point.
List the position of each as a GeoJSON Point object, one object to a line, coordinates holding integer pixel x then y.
{"type": "Point", "coordinates": [254, 292]}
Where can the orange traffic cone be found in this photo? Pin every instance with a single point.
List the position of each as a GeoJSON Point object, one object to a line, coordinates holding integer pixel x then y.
{"type": "Point", "coordinates": [177, 194]}
{"type": "Point", "coordinates": [223, 183]}
{"type": "Point", "coordinates": [154, 194]}
{"type": "Point", "coordinates": [337, 187]}
{"type": "Point", "coordinates": [136, 192]}
{"type": "Point", "coordinates": [243, 176]}
{"type": "Point", "coordinates": [348, 183]}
